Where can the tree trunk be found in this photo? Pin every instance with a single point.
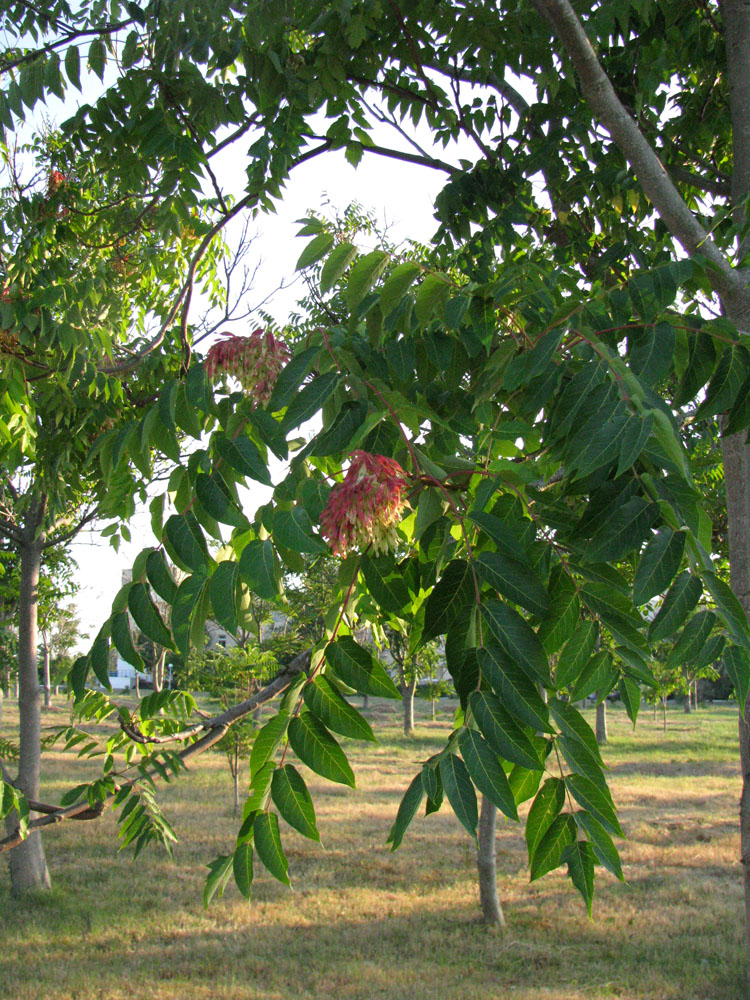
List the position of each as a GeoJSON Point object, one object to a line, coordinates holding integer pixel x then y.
{"type": "Point", "coordinates": [236, 776]}
{"type": "Point", "coordinates": [28, 867]}
{"type": "Point", "coordinates": [407, 694]}
{"type": "Point", "coordinates": [2, 698]}
{"type": "Point", "coordinates": [158, 672]}
{"type": "Point", "coordinates": [45, 672]}
{"type": "Point", "coordinates": [687, 706]}
{"type": "Point", "coordinates": [492, 912]}
{"type": "Point", "coordinates": [737, 481]}
{"type": "Point", "coordinates": [601, 722]}
{"type": "Point", "coordinates": [365, 702]}
{"type": "Point", "coordinates": [664, 714]}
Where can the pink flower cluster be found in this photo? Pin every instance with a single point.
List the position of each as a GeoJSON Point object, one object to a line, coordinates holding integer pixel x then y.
{"type": "Point", "coordinates": [255, 362]}
{"type": "Point", "coordinates": [56, 180]}
{"type": "Point", "coordinates": [366, 507]}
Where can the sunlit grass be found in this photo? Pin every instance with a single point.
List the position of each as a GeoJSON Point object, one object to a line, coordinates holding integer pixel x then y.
{"type": "Point", "coordinates": [363, 922]}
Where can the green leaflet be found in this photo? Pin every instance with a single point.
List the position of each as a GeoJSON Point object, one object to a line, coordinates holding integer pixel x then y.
{"type": "Point", "coordinates": [726, 381]}
{"type": "Point", "coordinates": [186, 538]}
{"type": "Point", "coordinates": [337, 262]}
{"type": "Point", "coordinates": [184, 610]}
{"type": "Point", "coordinates": [384, 583]}
{"type": "Point", "coordinates": [507, 540]}
{"type": "Point", "coordinates": [357, 668]}
{"type": "Point", "coordinates": [99, 657]}
{"type": "Point", "coordinates": [517, 639]}
{"type": "Point", "coordinates": [292, 799]}
{"type": "Point", "coordinates": [431, 294]}
{"type": "Point", "coordinates": [545, 809]}
{"type": "Point", "coordinates": [573, 724]}
{"type": "Point", "coordinates": [242, 455]}
{"type": "Point", "coordinates": [146, 615]}
{"type": "Point", "coordinates": [259, 568]}
{"type": "Point", "coordinates": [363, 275]}
{"type": "Point", "coordinates": [242, 868]}
{"type": "Point", "coordinates": [338, 436]}
{"type": "Point", "coordinates": [407, 810]}
{"type": "Point", "coordinates": [293, 530]}
{"type": "Point", "coordinates": [219, 873]}
{"type": "Point", "coordinates": [451, 594]}
{"type": "Point", "coordinates": [501, 731]}
{"type": "Point", "coordinates": [317, 247]}
{"type": "Point", "coordinates": [729, 608]}
{"type": "Point", "coordinates": [216, 498]}
{"type": "Point", "coordinates": [657, 566]}
{"type": "Point", "coordinates": [397, 285]}
{"type": "Point", "coordinates": [576, 653]}
{"type": "Point", "coordinates": [601, 842]}
{"type": "Point", "coordinates": [598, 675]}
{"type": "Point", "coordinates": [514, 688]}
{"type": "Point", "coordinates": [291, 378]}
{"type": "Point", "coordinates": [268, 846]}
{"type": "Point", "coordinates": [160, 576]}
{"type": "Point", "coordinates": [630, 693]}
{"type": "Point", "coordinates": [623, 532]}
{"type": "Point", "coordinates": [222, 588]}
{"type": "Point", "coordinates": [549, 852]}
{"type": "Point", "coordinates": [591, 797]}
{"type": "Point", "coordinates": [486, 772]}
{"type": "Point", "coordinates": [326, 702]}
{"type": "Point", "coordinates": [681, 598]}
{"type": "Point", "coordinates": [694, 637]}
{"type": "Point", "coordinates": [309, 400]}
{"type": "Point", "coordinates": [562, 614]}
{"type": "Point", "coordinates": [123, 640]}
{"type": "Point", "coordinates": [514, 580]}
{"type": "Point", "coordinates": [315, 747]}
{"type": "Point", "coordinates": [617, 613]}
{"type": "Point", "coordinates": [579, 857]}
{"type": "Point", "coordinates": [460, 791]}
{"type": "Point", "coordinates": [267, 741]}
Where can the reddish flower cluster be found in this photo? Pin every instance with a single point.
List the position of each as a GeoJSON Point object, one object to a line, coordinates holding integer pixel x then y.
{"type": "Point", "coordinates": [366, 507]}
{"type": "Point", "coordinates": [56, 181]}
{"type": "Point", "coordinates": [255, 362]}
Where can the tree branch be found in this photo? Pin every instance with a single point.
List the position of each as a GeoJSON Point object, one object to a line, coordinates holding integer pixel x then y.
{"type": "Point", "coordinates": [735, 15]}
{"type": "Point", "coordinates": [654, 179]}
{"type": "Point", "coordinates": [214, 729]}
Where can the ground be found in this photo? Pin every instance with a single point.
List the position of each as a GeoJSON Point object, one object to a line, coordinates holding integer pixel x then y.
{"type": "Point", "coordinates": [365, 923]}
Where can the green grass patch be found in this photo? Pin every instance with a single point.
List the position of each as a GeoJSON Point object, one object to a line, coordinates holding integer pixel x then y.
{"type": "Point", "coordinates": [364, 923]}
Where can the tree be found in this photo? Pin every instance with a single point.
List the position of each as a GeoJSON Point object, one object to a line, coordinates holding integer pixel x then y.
{"type": "Point", "coordinates": [411, 666]}
{"type": "Point", "coordinates": [232, 675]}
{"type": "Point", "coordinates": [85, 271]}
{"type": "Point", "coordinates": [529, 375]}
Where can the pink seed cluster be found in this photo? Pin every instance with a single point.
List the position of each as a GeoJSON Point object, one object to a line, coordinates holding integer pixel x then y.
{"type": "Point", "coordinates": [56, 180]}
{"type": "Point", "coordinates": [366, 507]}
{"type": "Point", "coordinates": [255, 362]}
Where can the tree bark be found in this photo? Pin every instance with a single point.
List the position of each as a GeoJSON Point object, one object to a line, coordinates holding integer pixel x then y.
{"type": "Point", "coordinates": [737, 481]}
{"type": "Point", "coordinates": [28, 866]}
{"type": "Point", "coordinates": [407, 695]}
{"type": "Point", "coordinates": [489, 901]}
{"type": "Point", "coordinates": [601, 722]}
{"type": "Point", "coordinates": [236, 776]}
{"type": "Point", "coordinates": [45, 672]}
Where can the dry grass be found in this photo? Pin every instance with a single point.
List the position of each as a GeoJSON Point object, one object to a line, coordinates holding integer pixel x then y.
{"type": "Point", "coordinates": [364, 923]}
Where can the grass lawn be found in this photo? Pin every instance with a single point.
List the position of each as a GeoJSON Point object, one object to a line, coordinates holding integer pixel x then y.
{"type": "Point", "coordinates": [363, 922]}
